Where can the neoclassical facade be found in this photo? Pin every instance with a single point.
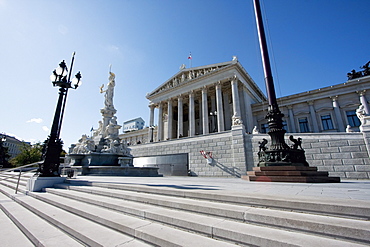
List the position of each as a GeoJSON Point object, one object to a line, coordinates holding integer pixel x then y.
{"type": "Point", "coordinates": [203, 100]}
{"type": "Point", "coordinates": [329, 109]}
{"type": "Point", "coordinates": [219, 110]}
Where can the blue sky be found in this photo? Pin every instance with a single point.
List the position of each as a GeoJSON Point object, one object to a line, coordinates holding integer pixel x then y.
{"type": "Point", "coordinates": [313, 44]}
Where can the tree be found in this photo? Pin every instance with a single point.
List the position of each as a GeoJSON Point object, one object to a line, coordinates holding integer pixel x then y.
{"type": "Point", "coordinates": [4, 156]}
{"type": "Point", "coordinates": [29, 154]}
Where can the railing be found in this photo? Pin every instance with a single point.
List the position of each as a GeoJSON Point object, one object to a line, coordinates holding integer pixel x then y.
{"type": "Point", "coordinates": [20, 172]}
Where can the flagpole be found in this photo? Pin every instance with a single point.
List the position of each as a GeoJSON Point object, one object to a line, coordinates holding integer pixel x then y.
{"type": "Point", "coordinates": [190, 60]}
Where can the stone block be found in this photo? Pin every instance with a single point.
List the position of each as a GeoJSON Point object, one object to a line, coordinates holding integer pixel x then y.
{"type": "Point", "coordinates": [357, 175]}
{"type": "Point", "coordinates": [322, 156]}
{"type": "Point", "coordinates": [344, 168]}
{"type": "Point", "coordinates": [356, 155]}
{"type": "Point", "coordinates": [362, 168]}
{"type": "Point", "coordinates": [330, 150]}
{"type": "Point", "coordinates": [341, 155]}
{"type": "Point", "coordinates": [356, 142]}
{"type": "Point", "coordinates": [315, 163]}
{"type": "Point", "coordinates": [325, 168]}
{"type": "Point", "coordinates": [320, 144]}
{"type": "Point", "coordinates": [338, 143]}
{"type": "Point", "coordinates": [332, 162]}
{"type": "Point", "coordinates": [337, 174]}
{"type": "Point", "coordinates": [349, 149]}
{"type": "Point", "coordinates": [353, 162]}
{"type": "Point", "coordinates": [313, 151]}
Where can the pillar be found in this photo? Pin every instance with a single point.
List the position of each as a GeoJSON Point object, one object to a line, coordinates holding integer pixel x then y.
{"type": "Point", "coordinates": [191, 114]}
{"type": "Point", "coordinates": [313, 117]}
{"type": "Point", "coordinates": [180, 119]}
{"type": "Point", "coordinates": [220, 109]}
{"type": "Point", "coordinates": [364, 101]}
{"type": "Point", "coordinates": [160, 122]}
{"type": "Point", "coordinates": [236, 101]}
{"type": "Point", "coordinates": [205, 111]}
{"type": "Point", "coordinates": [291, 119]}
{"type": "Point", "coordinates": [337, 114]}
{"type": "Point", "coordinates": [170, 119]}
{"type": "Point", "coordinates": [151, 122]}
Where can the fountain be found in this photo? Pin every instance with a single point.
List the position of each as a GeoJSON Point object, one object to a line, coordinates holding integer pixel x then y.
{"type": "Point", "coordinates": [104, 153]}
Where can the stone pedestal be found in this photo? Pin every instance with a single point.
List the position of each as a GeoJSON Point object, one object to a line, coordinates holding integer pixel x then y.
{"type": "Point", "coordinates": [291, 174]}
{"type": "Point", "coordinates": [125, 161]}
{"type": "Point", "coordinates": [36, 183]}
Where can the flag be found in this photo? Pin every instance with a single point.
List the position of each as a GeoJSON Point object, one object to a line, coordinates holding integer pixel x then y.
{"type": "Point", "coordinates": [189, 57]}
{"type": "Point", "coordinates": [92, 128]}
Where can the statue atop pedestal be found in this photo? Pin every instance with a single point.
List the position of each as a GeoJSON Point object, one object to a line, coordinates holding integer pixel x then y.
{"type": "Point", "coordinates": [104, 147]}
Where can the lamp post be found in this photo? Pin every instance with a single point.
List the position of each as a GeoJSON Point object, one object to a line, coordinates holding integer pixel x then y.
{"type": "Point", "coordinates": [151, 127]}
{"type": "Point", "coordinates": [61, 78]}
{"type": "Point", "coordinates": [213, 121]}
{"type": "Point", "coordinates": [279, 153]}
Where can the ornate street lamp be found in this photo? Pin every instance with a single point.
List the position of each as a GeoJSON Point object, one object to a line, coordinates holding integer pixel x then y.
{"type": "Point", "coordinates": [279, 153]}
{"type": "Point", "coordinates": [53, 147]}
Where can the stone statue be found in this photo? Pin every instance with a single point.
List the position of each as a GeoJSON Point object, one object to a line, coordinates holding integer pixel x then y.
{"type": "Point", "coordinates": [360, 112]}
{"type": "Point", "coordinates": [366, 68]}
{"type": "Point", "coordinates": [109, 92]}
{"type": "Point", "coordinates": [99, 130]}
{"type": "Point", "coordinates": [262, 145]}
{"type": "Point", "coordinates": [236, 120]}
{"type": "Point", "coordinates": [296, 142]}
{"type": "Point", "coordinates": [349, 129]}
{"type": "Point", "coordinates": [84, 146]}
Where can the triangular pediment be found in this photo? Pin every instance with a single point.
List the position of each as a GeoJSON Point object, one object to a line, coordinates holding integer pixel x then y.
{"type": "Point", "coordinates": [186, 75]}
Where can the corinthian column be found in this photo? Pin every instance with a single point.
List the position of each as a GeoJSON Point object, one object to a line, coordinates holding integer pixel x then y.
{"type": "Point", "coordinates": [313, 117]}
{"type": "Point", "coordinates": [220, 109]}
{"type": "Point", "coordinates": [236, 101]}
{"type": "Point", "coordinates": [180, 120]}
{"type": "Point", "coordinates": [170, 119]}
{"type": "Point", "coordinates": [205, 111]}
{"type": "Point", "coordinates": [291, 118]}
{"type": "Point", "coordinates": [191, 114]}
{"type": "Point", "coordinates": [151, 122]}
{"type": "Point", "coordinates": [160, 122]}
{"type": "Point", "coordinates": [337, 114]}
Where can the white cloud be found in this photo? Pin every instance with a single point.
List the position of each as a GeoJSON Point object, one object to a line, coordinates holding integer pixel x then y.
{"type": "Point", "coordinates": [45, 128]}
{"type": "Point", "coordinates": [35, 120]}
{"type": "Point", "coordinates": [63, 29]}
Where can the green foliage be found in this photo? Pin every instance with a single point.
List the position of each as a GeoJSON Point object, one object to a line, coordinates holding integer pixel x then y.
{"type": "Point", "coordinates": [29, 154]}
{"type": "Point", "coordinates": [4, 156]}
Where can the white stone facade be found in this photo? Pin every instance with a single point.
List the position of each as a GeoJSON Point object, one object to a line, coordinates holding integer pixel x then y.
{"type": "Point", "coordinates": [216, 109]}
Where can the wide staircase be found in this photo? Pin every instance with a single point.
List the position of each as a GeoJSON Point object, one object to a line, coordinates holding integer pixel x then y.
{"type": "Point", "coordinates": [82, 213]}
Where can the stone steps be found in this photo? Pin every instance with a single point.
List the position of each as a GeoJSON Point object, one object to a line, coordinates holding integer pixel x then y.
{"type": "Point", "coordinates": [181, 209]}
{"type": "Point", "coordinates": [142, 215]}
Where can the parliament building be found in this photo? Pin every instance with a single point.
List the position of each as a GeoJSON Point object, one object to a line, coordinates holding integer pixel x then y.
{"type": "Point", "coordinates": [221, 101]}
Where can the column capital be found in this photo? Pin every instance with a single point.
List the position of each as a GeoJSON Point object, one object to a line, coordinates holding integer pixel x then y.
{"type": "Point", "coordinates": [310, 102]}
{"type": "Point", "coordinates": [234, 79]}
{"type": "Point", "coordinates": [334, 98]}
{"type": "Point", "coordinates": [290, 107]}
{"type": "Point", "coordinates": [361, 93]}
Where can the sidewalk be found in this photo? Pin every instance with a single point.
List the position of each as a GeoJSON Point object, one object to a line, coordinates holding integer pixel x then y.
{"type": "Point", "coordinates": [347, 189]}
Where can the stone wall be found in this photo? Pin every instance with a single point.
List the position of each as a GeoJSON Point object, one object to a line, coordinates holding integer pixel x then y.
{"type": "Point", "coordinates": [342, 154]}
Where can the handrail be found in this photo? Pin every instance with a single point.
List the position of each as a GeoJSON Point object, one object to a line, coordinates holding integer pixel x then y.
{"type": "Point", "coordinates": [20, 172]}
{"type": "Point", "coordinates": [18, 167]}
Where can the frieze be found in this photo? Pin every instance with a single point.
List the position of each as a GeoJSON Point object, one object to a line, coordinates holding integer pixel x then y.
{"type": "Point", "coordinates": [186, 76]}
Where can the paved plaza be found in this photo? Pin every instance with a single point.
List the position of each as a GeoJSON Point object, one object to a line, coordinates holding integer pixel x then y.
{"type": "Point", "coordinates": [347, 189]}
